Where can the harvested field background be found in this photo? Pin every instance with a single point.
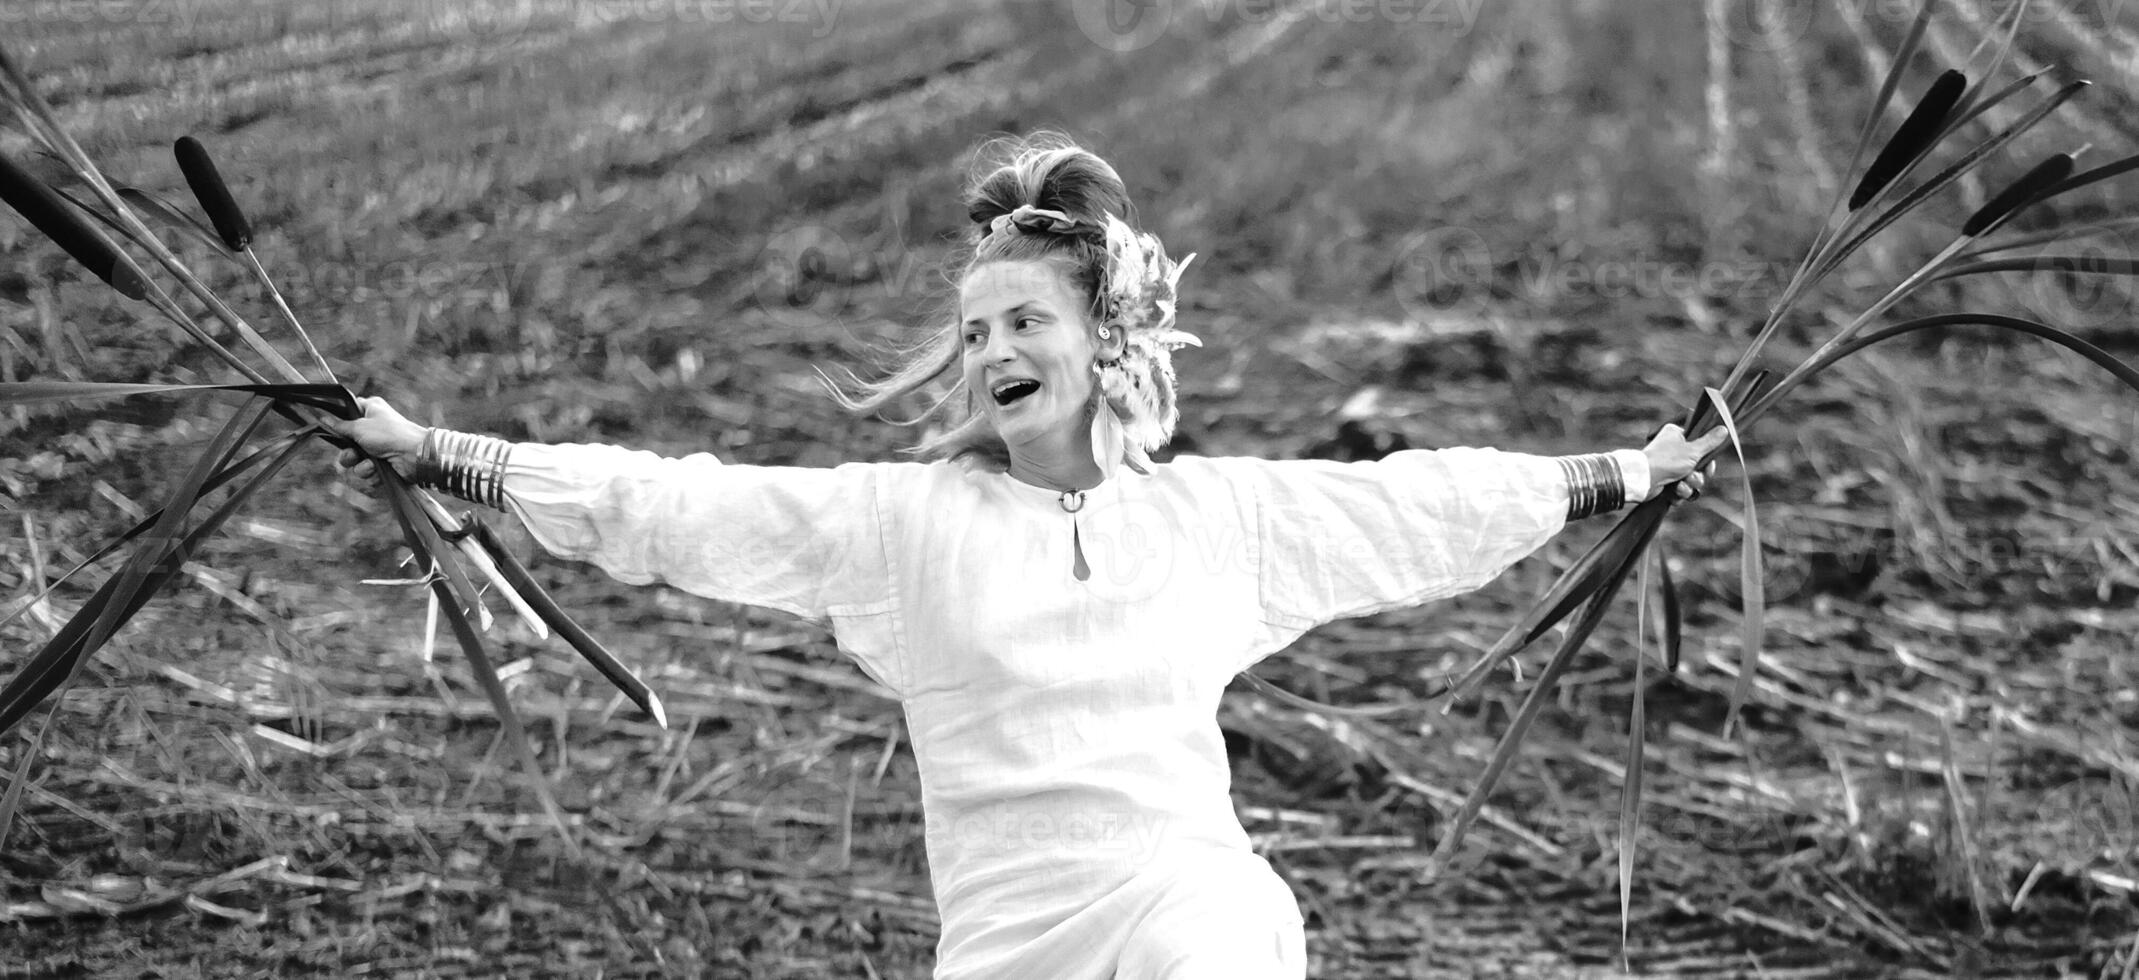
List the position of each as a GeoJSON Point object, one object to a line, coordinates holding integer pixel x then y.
{"type": "Point", "coordinates": [1531, 224]}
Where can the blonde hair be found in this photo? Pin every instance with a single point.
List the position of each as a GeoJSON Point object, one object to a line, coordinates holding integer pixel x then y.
{"type": "Point", "coordinates": [1044, 170]}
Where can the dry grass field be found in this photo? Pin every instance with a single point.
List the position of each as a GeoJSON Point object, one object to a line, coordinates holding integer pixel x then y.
{"type": "Point", "coordinates": [1531, 224]}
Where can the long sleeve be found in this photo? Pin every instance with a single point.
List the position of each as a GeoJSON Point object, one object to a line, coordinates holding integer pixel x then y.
{"type": "Point", "coordinates": [1349, 539]}
{"type": "Point", "coordinates": [802, 540]}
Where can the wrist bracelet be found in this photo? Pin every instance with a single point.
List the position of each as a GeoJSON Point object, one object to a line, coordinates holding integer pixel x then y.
{"type": "Point", "coordinates": [1594, 485]}
{"type": "Point", "coordinates": [463, 464]}
{"type": "Point", "coordinates": [423, 467]}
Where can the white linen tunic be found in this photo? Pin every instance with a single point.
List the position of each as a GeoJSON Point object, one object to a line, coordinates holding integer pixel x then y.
{"type": "Point", "coordinates": [1075, 787]}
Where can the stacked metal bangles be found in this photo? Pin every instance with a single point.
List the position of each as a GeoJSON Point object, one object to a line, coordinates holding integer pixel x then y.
{"type": "Point", "coordinates": [1595, 485]}
{"type": "Point", "coordinates": [466, 465]}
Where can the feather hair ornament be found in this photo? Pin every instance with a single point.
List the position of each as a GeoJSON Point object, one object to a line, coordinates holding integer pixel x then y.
{"type": "Point", "coordinates": [1137, 412]}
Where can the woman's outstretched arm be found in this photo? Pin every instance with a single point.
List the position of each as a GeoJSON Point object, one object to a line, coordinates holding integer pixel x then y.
{"type": "Point", "coordinates": [803, 540]}
{"type": "Point", "coordinates": [1350, 539]}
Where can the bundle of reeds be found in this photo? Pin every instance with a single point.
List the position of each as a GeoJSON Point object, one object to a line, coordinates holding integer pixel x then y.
{"type": "Point", "coordinates": [451, 551]}
{"type": "Point", "coordinates": [1874, 202]}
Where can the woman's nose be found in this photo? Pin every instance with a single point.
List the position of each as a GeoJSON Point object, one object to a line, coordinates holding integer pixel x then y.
{"type": "Point", "coordinates": [997, 349]}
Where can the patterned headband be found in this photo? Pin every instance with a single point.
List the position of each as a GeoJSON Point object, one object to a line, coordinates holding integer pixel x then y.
{"type": "Point", "coordinates": [1029, 218]}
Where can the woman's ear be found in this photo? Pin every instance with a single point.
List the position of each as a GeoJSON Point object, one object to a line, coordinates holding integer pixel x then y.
{"type": "Point", "coordinates": [1111, 341]}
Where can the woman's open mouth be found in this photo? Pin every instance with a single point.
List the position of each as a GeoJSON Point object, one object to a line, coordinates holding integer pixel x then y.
{"type": "Point", "coordinates": [1009, 393]}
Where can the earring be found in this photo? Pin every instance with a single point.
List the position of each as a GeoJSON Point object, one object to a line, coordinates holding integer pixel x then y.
{"type": "Point", "coordinates": [1104, 333]}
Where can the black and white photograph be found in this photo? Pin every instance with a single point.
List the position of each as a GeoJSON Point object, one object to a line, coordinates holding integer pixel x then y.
{"type": "Point", "coordinates": [1069, 489]}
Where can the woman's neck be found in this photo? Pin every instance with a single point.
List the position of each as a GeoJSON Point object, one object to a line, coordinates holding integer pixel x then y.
{"type": "Point", "coordinates": [1057, 467]}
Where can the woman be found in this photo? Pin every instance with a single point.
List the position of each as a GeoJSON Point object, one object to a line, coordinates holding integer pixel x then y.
{"type": "Point", "coordinates": [1057, 614]}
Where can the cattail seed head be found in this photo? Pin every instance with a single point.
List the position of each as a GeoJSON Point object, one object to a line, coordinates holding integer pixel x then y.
{"type": "Point", "coordinates": [212, 193]}
{"type": "Point", "coordinates": [1914, 137]}
{"type": "Point", "coordinates": [2019, 194]}
{"type": "Point", "coordinates": [44, 209]}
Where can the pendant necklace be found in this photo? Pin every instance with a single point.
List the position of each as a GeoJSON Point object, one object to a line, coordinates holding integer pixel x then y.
{"type": "Point", "coordinates": [1073, 501]}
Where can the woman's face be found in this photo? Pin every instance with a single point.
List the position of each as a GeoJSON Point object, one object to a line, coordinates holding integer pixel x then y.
{"type": "Point", "coordinates": [1022, 321]}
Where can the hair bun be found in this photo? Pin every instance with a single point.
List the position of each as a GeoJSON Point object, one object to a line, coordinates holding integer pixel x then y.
{"type": "Point", "coordinates": [1040, 173]}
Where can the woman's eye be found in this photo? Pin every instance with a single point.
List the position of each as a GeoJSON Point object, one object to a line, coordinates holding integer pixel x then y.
{"type": "Point", "coordinates": [1027, 322]}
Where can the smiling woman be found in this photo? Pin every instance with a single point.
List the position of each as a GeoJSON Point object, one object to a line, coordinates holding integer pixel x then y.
{"type": "Point", "coordinates": [1027, 349]}
{"type": "Point", "coordinates": [1057, 614]}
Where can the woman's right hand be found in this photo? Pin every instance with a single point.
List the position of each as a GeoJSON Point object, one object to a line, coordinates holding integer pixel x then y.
{"type": "Point", "coordinates": [382, 433]}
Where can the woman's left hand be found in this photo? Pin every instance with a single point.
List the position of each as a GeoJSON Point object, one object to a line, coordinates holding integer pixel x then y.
{"type": "Point", "coordinates": [1672, 459]}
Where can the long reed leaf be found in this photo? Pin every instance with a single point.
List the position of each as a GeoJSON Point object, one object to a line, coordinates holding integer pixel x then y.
{"type": "Point", "coordinates": [1589, 573]}
{"type": "Point", "coordinates": [329, 397]}
{"type": "Point", "coordinates": [2061, 234]}
{"type": "Point", "coordinates": [1673, 620]}
{"type": "Point", "coordinates": [1972, 108]}
{"type": "Point", "coordinates": [2100, 265]}
{"type": "Point", "coordinates": [1752, 584]}
{"type": "Point", "coordinates": [1630, 787]}
{"type": "Point", "coordinates": [42, 676]}
{"type": "Point", "coordinates": [1583, 581]}
{"type": "Point", "coordinates": [2122, 371]}
{"type": "Point", "coordinates": [165, 537]}
{"type": "Point", "coordinates": [1585, 623]}
{"type": "Point", "coordinates": [2119, 369]}
{"type": "Point", "coordinates": [142, 526]}
{"type": "Point", "coordinates": [591, 649]}
{"type": "Point", "coordinates": [424, 543]}
{"type": "Point", "coordinates": [289, 316]}
{"type": "Point", "coordinates": [178, 221]}
{"type": "Point", "coordinates": [21, 777]}
{"type": "Point", "coordinates": [2004, 48]}
{"type": "Point", "coordinates": [515, 734]}
{"type": "Point", "coordinates": [1434, 690]}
